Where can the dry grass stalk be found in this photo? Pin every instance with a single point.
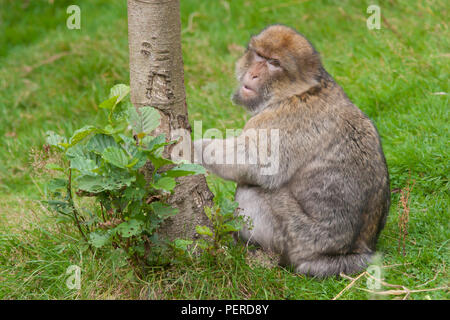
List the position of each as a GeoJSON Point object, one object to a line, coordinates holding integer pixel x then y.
{"type": "Point", "coordinates": [350, 284]}
{"type": "Point", "coordinates": [404, 208]}
{"type": "Point", "coordinates": [398, 290]}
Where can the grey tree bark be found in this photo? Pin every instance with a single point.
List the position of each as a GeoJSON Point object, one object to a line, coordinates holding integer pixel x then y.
{"type": "Point", "coordinates": [157, 80]}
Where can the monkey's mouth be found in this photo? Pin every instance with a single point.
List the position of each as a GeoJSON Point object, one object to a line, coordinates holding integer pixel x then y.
{"type": "Point", "coordinates": [246, 90]}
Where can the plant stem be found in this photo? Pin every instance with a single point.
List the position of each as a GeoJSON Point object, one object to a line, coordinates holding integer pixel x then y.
{"type": "Point", "coordinates": [72, 204]}
{"type": "Point", "coordinates": [103, 215]}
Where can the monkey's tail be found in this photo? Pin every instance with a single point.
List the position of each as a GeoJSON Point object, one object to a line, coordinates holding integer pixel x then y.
{"type": "Point", "coordinates": [325, 266]}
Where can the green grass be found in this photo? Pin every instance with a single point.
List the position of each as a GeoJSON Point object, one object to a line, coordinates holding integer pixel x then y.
{"type": "Point", "coordinates": [52, 78]}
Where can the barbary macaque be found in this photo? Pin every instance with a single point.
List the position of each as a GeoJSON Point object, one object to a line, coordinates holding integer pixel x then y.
{"type": "Point", "coordinates": [309, 167]}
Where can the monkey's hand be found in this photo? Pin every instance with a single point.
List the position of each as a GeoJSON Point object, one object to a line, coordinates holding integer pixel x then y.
{"type": "Point", "coordinates": [230, 159]}
{"type": "Point", "coordinates": [212, 154]}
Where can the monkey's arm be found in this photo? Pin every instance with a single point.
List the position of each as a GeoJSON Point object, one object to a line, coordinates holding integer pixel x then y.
{"type": "Point", "coordinates": [244, 159]}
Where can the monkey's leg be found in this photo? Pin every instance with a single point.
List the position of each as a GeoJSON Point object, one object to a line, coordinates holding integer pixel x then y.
{"type": "Point", "coordinates": [312, 246]}
{"type": "Point", "coordinates": [322, 246]}
{"type": "Point", "coordinates": [253, 203]}
{"type": "Point", "coordinates": [324, 265]}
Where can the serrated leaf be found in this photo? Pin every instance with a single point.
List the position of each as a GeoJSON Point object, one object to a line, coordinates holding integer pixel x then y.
{"type": "Point", "coordinates": [227, 206]}
{"type": "Point", "coordinates": [182, 244]}
{"type": "Point", "coordinates": [116, 94]}
{"type": "Point", "coordinates": [117, 128]}
{"type": "Point", "coordinates": [142, 161]}
{"type": "Point", "coordinates": [62, 207]}
{"type": "Point", "coordinates": [145, 120]}
{"type": "Point", "coordinates": [134, 119]}
{"type": "Point", "coordinates": [129, 144]}
{"type": "Point", "coordinates": [231, 226]}
{"type": "Point", "coordinates": [98, 240]}
{"type": "Point", "coordinates": [132, 162]}
{"type": "Point", "coordinates": [115, 156]}
{"type": "Point", "coordinates": [85, 166]}
{"type": "Point", "coordinates": [158, 162]}
{"type": "Point", "coordinates": [139, 160]}
{"type": "Point", "coordinates": [120, 91]}
{"type": "Point", "coordinates": [108, 104]}
{"type": "Point", "coordinates": [204, 230]}
{"type": "Point", "coordinates": [165, 183]}
{"type": "Point", "coordinates": [82, 133]}
{"type": "Point", "coordinates": [147, 139]}
{"type": "Point", "coordinates": [93, 184]}
{"type": "Point", "coordinates": [120, 113]}
{"type": "Point", "coordinates": [55, 140]}
{"type": "Point", "coordinates": [99, 142]}
{"type": "Point", "coordinates": [185, 169]}
{"type": "Point", "coordinates": [98, 184]}
{"type": "Point", "coordinates": [127, 140]}
{"type": "Point", "coordinates": [77, 151]}
{"type": "Point", "coordinates": [163, 210]}
{"type": "Point", "coordinates": [129, 228]}
{"type": "Point", "coordinates": [134, 194]}
{"type": "Point", "coordinates": [57, 184]}
{"type": "Point", "coordinates": [155, 145]}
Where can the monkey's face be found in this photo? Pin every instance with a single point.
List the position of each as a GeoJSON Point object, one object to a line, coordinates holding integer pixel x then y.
{"type": "Point", "coordinates": [279, 63]}
{"type": "Point", "coordinates": [256, 77]}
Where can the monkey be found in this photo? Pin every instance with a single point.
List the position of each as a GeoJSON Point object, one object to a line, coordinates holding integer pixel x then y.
{"type": "Point", "coordinates": [324, 207]}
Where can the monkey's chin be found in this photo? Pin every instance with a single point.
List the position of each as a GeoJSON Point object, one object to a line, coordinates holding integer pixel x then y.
{"type": "Point", "coordinates": [251, 103]}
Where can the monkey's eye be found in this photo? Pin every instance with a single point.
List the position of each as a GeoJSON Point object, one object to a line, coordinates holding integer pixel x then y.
{"type": "Point", "coordinates": [259, 57]}
{"type": "Point", "coordinates": [274, 62]}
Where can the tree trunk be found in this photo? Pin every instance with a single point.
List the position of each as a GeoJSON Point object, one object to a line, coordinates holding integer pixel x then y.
{"type": "Point", "coordinates": [157, 80]}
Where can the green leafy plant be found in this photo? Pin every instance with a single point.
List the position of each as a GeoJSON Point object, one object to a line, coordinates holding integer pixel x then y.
{"type": "Point", "coordinates": [103, 189]}
{"type": "Point", "coordinates": [225, 223]}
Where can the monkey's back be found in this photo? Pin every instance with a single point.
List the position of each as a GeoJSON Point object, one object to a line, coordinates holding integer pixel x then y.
{"type": "Point", "coordinates": [347, 181]}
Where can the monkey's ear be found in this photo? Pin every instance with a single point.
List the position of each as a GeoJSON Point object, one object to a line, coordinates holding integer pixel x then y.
{"type": "Point", "coordinates": [250, 45]}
